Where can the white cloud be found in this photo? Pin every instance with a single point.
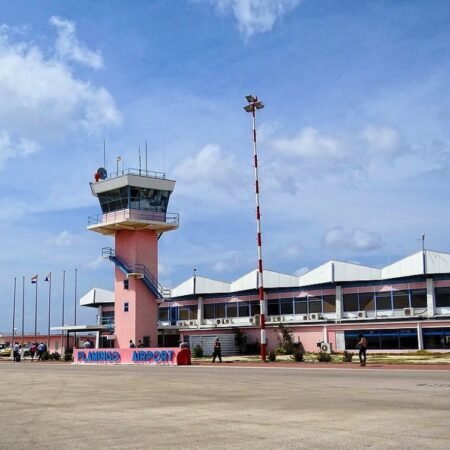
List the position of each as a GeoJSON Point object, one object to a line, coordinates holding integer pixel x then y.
{"type": "Point", "coordinates": [383, 140]}
{"type": "Point", "coordinates": [210, 165]}
{"type": "Point", "coordinates": [63, 239]}
{"type": "Point", "coordinates": [40, 97]}
{"type": "Point", "coordinates": [68, 47]}
{"type": "Point", "coordinates": [357, 240]}
{"type": "Point", "coordinates": [311, 144]}
{"type": "Point", "coordinates": [255, 16]}
{"type": "Point", "coordinates": [11, 148]}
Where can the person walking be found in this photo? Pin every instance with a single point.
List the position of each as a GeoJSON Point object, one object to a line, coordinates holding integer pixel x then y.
{"type": "Point", "coordinates": [362, 345]}
{"type": "Point", "coordinates": [217, 351]}
{"type": "Point", "coordinates": [33, 350]}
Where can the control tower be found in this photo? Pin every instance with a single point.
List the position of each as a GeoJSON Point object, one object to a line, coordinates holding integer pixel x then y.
{"type": "Point", "coordinates": [134, 211]}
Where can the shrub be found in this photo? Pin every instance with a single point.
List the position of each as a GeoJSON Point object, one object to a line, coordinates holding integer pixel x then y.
{"type": "Point", "coordinates": [45, 356]}
{"type": "Point", "coordinates": [198, 351]}
{"type": "Point", "coordinates": [347, 357]}
{"type": "Point", "coordinates": [323, 357]}
{"type": "Point", "coordinates": [272, 356]}
{"type": "Point", "coordinates": [55, 356]}
{"type": "Point", "coordinates": [240, 339]}
{"type": "Point", "coordinates": [68, 356]}
{"type": "Point", "coordinates": [285, 340]}
{"type": "Point", "coordinates": [297, 355]}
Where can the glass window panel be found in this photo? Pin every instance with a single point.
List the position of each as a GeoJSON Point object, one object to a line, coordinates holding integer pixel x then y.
{"type": "Point", "coordinates": [351, 302]}
{"type": "Point", "coordinates": [408, 339]}
{"type": "Point", "coordinates": [389, 339]}
{"type": "Point", "coordinates": [193, 310]}
{"type": "Point", "coordinates": [366, 301]}
{"type": "Point", "coordinates": [329, 304]}
{"type": "Point", "coordinates": [255, 308]}
{"type": "Point", "coordinates": [383, 300]}
{"type": "Point", "coordinates": [433, 338]}
{"type": "Point", "coordinates": [163, 313]}
{"type": "Point", "coordinates": [220, 310]}
{"type": "Point", "coordinates": [184, 314]}
{"type": "Point", "coordinates": [232, 310]}
{"type": "Point", "coordinates": [419, 298]}
{"type": "Point", "coordinates": [286, 306]}
{"type": "Point", "coordinates": [301, 306]}
{"type": "Point", "coordinates": [401, 299]}
{"type": "Point", "coordinates": [273, 308]}
{"type": "Point", "coordinates": [209, 311]}
{"type": "Point", "coordinates": [244, 310]}
{"type": "Point", "coordinates": [315, 306]}
{"type": "Point", "coordinates": [442, 297]}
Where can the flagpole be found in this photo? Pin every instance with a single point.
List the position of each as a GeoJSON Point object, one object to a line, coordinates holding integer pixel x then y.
{"type": "Point", "coordinates": [49, 279]}
{"type": "Point", "coordinates": [14, 311]}
{"type": "Point", "coordinates": [23, 310]}
{"type": "Point", "coordinates": [62, 318]}
{"type": "Point", "coordinates": [75, 309]}
{"type": "Point", "coordinates": [36, 310]}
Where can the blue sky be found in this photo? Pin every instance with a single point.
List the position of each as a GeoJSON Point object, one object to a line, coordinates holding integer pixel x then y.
{"type": "Point", "coordinates": [354, 141]}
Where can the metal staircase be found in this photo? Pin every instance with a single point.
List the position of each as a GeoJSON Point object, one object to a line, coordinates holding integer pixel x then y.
{"type": "Point", "coordinates": [139, 271]}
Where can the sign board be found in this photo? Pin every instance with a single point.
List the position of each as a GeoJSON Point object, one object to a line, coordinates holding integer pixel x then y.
{"type": "Point", "coordinates": [146, 356]}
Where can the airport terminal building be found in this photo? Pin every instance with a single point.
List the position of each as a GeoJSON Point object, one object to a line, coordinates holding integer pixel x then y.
{"type": "Point", "coordinates": [404, 306]}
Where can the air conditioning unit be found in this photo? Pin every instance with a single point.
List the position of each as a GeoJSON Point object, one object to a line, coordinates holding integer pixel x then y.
{"type": "Point", "coordinates": [315, 316]}
{"type": "Point", "coordinates": [218, 321]}
{"type": "Point", "coordinates": [304, 317]}
{"type": "Point", "coordinates": [251, 320]}
{"type": "Point", "coordinates": [192, 323]}
{"type": "Point", "coordinates": [180, 323]}
{"type": "Point", "coordinates": [226, 321]}
{"type": "Point", "coordinates": [408, 311]}
{"type": "Point", "coordinates": [325, 347]}
{"type": "Point", "coordinates": [278, 319]}
{"type": "Point", "coordinates": [269, 319]}
{"type": "Point", "coordinates": [361, 314]}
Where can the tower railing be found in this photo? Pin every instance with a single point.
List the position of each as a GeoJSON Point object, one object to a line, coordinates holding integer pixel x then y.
{"type": "Point", "coordinates": [134, 214]}
{"type": "Point", "coordinates": [139, 172]}
{"type": "Point", "coordinates": [147, 277]}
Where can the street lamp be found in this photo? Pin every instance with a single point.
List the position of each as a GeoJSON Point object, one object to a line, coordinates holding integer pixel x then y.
{"type": "Point", "coordinates": [253, 105]}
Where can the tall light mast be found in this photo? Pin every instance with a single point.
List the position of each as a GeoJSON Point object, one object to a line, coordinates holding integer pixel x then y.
{"type": "Point", "coordinates": [253, 105]}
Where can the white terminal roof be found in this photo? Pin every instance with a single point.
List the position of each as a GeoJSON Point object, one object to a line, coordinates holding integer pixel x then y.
{"type": "Point", "coordinates": [330, 272]}
{"type": "Point", "coordinates": [97, 297]}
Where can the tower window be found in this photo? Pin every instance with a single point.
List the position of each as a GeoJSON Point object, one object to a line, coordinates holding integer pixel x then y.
{"type": "Point", "coordinates": [125, 307]}
{"type": "Point", "coordinates": [125, 284]}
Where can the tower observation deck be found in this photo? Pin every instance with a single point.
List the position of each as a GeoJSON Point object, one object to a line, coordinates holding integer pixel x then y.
{"type": "Point", "coordinates": [134, 211]}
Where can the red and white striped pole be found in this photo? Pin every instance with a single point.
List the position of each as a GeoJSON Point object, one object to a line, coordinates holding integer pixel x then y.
{"type": "Point", "coordinates": [253, 105]}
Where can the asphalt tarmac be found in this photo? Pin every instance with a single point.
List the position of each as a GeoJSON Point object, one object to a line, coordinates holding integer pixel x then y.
{"type": "Point", "coordinates": [60, 406]}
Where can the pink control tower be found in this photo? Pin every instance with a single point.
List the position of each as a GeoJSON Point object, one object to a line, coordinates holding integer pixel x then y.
{"type": "Point", "coordinates": [134, 211]}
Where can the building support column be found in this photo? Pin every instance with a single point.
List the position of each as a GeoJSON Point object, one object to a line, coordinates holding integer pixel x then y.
{"type": "Point", "coordinates": [97, 339]}
{"type": "Point", "coordinates": [419, 336]}
{"type": "Point", "coordinates": [430, 298]}
{"type": "Point", "coordinates": [339, 303]}
{"type": "Point", "coordinates": [199, 312]}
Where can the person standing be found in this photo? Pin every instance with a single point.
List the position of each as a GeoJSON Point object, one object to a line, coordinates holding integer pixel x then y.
{"type": "Point", "coordinates": [140, 345]}
{"type": "Point", "coordinates": [40, 350]}
{"type": "Point", "coordinates": [217, 351]}
{"type": "Point", "coordinates": [132, 344]}
{"type": "Point", "coordinates": [16, 352]}
{"type": "Point", "coordinates": [362, 345]}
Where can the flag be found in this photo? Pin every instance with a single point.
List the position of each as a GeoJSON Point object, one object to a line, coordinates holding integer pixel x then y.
{"type": "Point", "coordinates": [34, 279]}
{"type": "Point", "coordinates": [47, 278]}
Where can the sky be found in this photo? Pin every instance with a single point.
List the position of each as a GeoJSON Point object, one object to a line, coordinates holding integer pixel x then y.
{"type": "Point", "coordinates": [353, 142]}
